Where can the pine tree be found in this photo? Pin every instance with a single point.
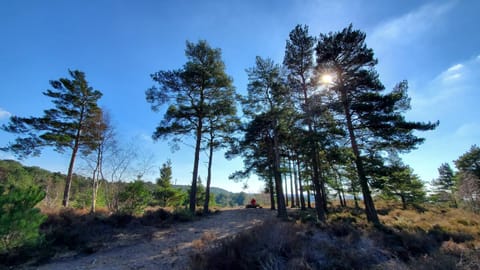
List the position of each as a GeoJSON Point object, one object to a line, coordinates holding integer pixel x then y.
{"type": "Point", "coordinates": [470, 161]}
{"type": "Point", "coordinates": [444, 185]}
{"type": "Point", "coordinates": [373, 120]}
{"type": "Point", "coordinates": [266, 105]}
{"type": "Point", "coordinates": [64, 126]}
{"type": "Point", "coordinates": [191, 93]}
{"type": "Point", "coordinates": [165, 190]}
{"type": "Point", "coordinates": [298, 61]}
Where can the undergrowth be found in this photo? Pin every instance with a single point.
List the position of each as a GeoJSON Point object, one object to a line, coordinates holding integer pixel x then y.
{"type": "Point", "coordinates": [79, 232]}
{"type": "Point", "coordinates": [407, 239]}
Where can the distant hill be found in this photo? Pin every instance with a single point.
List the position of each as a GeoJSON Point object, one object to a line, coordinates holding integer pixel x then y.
{"type": "Point", "coordinates": [54, 183]}
{"type": "Point", "coordinates": [214, 190]}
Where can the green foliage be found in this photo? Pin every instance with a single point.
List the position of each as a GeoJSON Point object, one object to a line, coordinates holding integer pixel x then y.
{"type": "Point", "coordinates": [239, 198]}
{"type": "Point", "coordinates": [445, 185]}
{"type": "Point", "coordinates": [19, 219]}
{"type": "Point", "coordinates": [373, 119]}
{"type": "Point", "coordinates": [196, 92]}
{"type": "Point", "coordinates": [165, 180]}
{"type": "Point", "coordinates": [470, 161]}
{"type": "Point", "coordinates": [74, 101]}
{"type": "Point", "coordinates": [405, 185]}
{"type": "Point", "coordinates": [397, 180]}
{"type": "Point", "coordinates": [134, 198]}
{"type": "Point", "coordinates": [183, 215]}
{"type": "Point", "coordinates": [446, 179]}
{"type": "Point", "coordinates": [66, 126]}
{"type": "Point", "coordinates": [164, 190]}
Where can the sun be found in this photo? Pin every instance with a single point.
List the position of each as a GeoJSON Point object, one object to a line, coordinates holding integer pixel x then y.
{"type": "Point", "coordinates": [326, 78]}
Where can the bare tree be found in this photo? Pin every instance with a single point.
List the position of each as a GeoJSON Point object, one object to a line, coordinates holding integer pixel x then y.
{"type": "Point", "coordinates": [469, 190]}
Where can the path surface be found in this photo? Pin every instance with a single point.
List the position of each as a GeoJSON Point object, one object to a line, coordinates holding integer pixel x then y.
{"type": "Point", "coordinates": [168, 248]}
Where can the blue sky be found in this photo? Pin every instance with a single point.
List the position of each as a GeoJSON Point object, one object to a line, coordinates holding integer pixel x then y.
{"type": "Point", "coordinates": [434, 45]}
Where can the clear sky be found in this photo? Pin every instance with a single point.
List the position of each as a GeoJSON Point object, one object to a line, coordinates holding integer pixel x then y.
{"type": "Point", "coordinates": [435, 45]}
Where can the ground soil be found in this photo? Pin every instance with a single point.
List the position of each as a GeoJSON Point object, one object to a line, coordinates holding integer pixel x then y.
{"type": "Point", "coordinates": [164, 248]}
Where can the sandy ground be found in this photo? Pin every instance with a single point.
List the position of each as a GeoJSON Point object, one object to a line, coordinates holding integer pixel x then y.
{"type": "Point", "coordinates": [167, 248]}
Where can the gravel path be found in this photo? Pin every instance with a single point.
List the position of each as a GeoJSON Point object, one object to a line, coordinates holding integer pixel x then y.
{"type": "Point", "coordinates": [168, 248]}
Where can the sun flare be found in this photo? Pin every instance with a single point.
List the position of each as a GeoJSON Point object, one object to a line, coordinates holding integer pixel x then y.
{"type": "Point", "coordinates": [326, 78]}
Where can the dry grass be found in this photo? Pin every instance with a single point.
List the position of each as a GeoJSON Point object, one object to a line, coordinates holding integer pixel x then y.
{"type": "Point", "coordinates": [77, 231]}
{"type": "Point", "coordinates": [430, 238]}
{"type": "Point", "coordinates": [205, 241]}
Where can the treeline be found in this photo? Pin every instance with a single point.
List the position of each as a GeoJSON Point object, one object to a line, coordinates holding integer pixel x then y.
{"type": "Point", "coordinates": [110, 194]}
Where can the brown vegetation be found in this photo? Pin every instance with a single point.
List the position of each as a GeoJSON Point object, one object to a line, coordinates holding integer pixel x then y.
{"type": "Point", "coordinates": [70, 231]}
{"type": "Point", "coordinates": [409, 239]}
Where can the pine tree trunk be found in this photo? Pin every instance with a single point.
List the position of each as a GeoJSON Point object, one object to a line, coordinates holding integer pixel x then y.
{"type": "Point", "coordinates": [282, 209]}
{"type": "Point", "coordinates": [317, 182]}
{"type": "Point", "coordinates": [272, 192]}
{"type": "Point", "coordinates": [68, 181]}
{"type": "Point", "coordinates": [309, 202]}
{"type": "Point", "coordinates": [404, 201]}
{"type": "Point", "coordinates": [367, 197]}
{"type": "Point", "coordinates": [76, 144]}
{"type": "Point", "coordinates": [292, 195]}
{"type": "Point", "coordinates": [300, 185]}
{"type": "Point", "coordinates": [286, 189]}
{"type": "Point", "coordinates": [193, 188]}
{"type": "Point", "coordinates": [293, 171]}
{"type": "Point", "coordinates": [209, 176]}
{"type": "Point", "coordinates": [344, 198]}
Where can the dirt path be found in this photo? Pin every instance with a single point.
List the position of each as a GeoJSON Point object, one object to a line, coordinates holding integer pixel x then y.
{"type": "Point", "coordinates": [169, 248]}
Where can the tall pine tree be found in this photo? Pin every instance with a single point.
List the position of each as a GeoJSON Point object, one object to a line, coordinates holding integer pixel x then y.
{"type": "Point", "coordinates": [64, 126]}
{"type": "Point", "coordinates": [373, 119]}
{"type": "Point", "coordinates": [191, 93]}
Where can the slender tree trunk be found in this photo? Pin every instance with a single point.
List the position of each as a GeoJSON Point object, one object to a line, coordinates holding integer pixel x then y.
{"type": "Point", "coordinates": [286, 189]}
{"type": "Point", "coordinates": [193, 188]}
{"type": "Point", "coordinates": [68, 181]}
{"type": "Point", "coordinates": [324, 195]}
{"type": "Point", "coordinates": [309, 193]}
{"type": "Point", "coordinates": [317, 182]}
{"type": "Point", "coordinates": [94, 189]}
{"type": "Point", "coordinates": [209, 176]}
{"type": "Point", "coordinates": [341, 194]}
{"type": "Point", "coordinates": [96, 175]}
{"type": "Point", "coordinates": [367, 197]}
{"type": "Point", "coordinates": [292, 191]}
{"type": "Point", "coordinates": [293, 171]}
{"type": "Point", "coordinates": [344, 198]}
{"type": "Point", "coordinates": [76, 144]}
{"type": "Point", "coordinates": [355, 199]}
{"type": "Point", "coordinates": [404, 201]}
{"type": "Point", "coordinates": [282, 209]}
{"type": "Point", "coordinates": [300, 185]}
{"type": "Point", "coordinates": [272, 192]}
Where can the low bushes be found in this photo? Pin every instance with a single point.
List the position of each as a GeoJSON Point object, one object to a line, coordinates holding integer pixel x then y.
{"type": "Point", "coordinates": [79, 231]}
{"type": "Point", "coordinates": [406, 240]}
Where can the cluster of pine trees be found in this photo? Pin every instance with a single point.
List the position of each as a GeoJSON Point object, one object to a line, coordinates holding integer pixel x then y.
{"type": "Point", "coordinates": [345, 128]}
{"type": "Point", "coordinates": [325, 113]}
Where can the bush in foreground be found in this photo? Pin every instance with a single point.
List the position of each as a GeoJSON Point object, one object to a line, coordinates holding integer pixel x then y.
{"type": "Point", "coordinates": [19, 219]}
